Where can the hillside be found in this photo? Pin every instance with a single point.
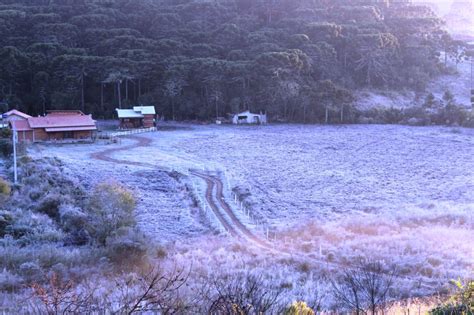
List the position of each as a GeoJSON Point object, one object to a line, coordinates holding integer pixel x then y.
{"type": "Point", "coordinates": [202, 59]}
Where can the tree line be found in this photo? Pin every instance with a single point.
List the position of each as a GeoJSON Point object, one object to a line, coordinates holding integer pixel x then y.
{"type": "Point", "coordinates": [298, 60]}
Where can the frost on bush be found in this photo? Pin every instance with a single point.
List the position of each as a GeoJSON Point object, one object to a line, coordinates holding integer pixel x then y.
{"type": "Point", "coordinates": [127, 245]}
{"type": "Point", "coordinates": [30, 271]}
{"type": "Point", "coordinates": [5, 220]}
{"type": "Point", "coordinates": [50, 204]}
{"type": "Point", "coordinates": [28, 227]}
{"type": "Point", "coordinates": [9, 281]}
{"type": "Point", "coordinates": [112, 208]}
{"type": "Point", "coordinates": [76, 223]}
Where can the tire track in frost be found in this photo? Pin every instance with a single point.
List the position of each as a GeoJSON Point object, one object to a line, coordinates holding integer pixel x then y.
{"type": "Point", "coordinates": [236, 228]}
{"type": "Point", "coordinates": [236, 223]}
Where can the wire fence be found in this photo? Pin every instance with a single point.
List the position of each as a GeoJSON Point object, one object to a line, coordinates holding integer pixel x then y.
{"type": "Point", "coordinates": [132, 132]}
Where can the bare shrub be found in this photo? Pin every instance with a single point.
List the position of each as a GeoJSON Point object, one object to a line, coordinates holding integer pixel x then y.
{"type": "Point", "coordinates": [364, 288]}
{"type": "Point", "coordinates": [153, 291]}
{"type": "Point", "coordinates": [60, 297]}
{"type": "Point", "coordinates": [244, 294]}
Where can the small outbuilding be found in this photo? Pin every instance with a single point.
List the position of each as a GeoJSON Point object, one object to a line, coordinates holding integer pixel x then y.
{"type": "Point", "coordinates": [71, 126]}
{"type": "Point", "coordinates": [249, 118]}
{"type": "Point", "coordinates": [15, 115]}
{"type": "Point", "coordinates": [138, 117]}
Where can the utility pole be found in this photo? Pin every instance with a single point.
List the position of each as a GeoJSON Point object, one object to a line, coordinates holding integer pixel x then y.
{"type": "Point", "coordinates": [15, 168]}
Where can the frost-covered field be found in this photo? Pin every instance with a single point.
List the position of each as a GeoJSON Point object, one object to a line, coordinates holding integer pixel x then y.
{"type": "Point", "coordinates": [400, 194]}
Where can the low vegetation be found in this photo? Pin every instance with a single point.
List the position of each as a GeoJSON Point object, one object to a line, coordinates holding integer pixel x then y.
{"type": "Point", "coordinates": [460, 302]}
{"type": "Point", "coordinates": [70, 249]}
{"type": "Point", "coordinates": [50, 221]}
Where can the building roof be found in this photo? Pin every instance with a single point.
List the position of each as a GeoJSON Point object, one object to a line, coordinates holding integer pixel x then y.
{"type": "Point", "coordinates": [64, 112]}
{"type": "Point", "coordinates": [63, 121]}
{"type": "Point", "coordinates": [17, 113]}
{"type": "Point", "coordinates": [128, 113]}
{"type": "Point", "coordinates": [248, 113]}
{"type": "Point", "coordinates": [136, 112]}
{"type": "Point", "coordinates": [20, 125]}
{"type": "Point", "coordinates": [145, 110]}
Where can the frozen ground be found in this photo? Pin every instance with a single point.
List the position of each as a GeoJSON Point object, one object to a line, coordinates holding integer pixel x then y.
{"type": "Point", "coordinates": [400, 194]}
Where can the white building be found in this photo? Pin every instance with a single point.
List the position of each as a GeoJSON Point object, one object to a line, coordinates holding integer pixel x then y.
{"type": "Point", "coordinates": [249, 118]}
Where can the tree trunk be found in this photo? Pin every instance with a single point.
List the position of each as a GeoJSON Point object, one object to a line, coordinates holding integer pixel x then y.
{"type": "Point", "coordinates": [126, 89]}
{"type": "Point", "coordinates": [327, 114]}
{"type": "Point", "coordinates": [304, 114]}
{"type": "Point", "coordinates": [172, 110]}
{"type": "Point", "coordinates": [102, 96]}
{"type": "Point", "coordinates": [119, 94]}
{"type": "Point", "coordinates": [82, 91]}
{"type": "Point", "coordinates": [139, 87]}
{"type": "Point", "coordinates": [342, 113]}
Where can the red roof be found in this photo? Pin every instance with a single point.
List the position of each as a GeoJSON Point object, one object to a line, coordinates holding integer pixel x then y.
{"type": "Point", "coordinates": [20, 125]}
{"type": "Point", "coordinates": [56, 123]}
{"type": "Point", "coordinates": [17, 113]}
{"type": "Point", "coordinates": [63, 121]}
{"type": "Point", "coordinates": [64, 112]}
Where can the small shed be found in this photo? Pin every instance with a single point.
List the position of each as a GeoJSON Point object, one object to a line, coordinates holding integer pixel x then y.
{"type": "Point", "coordinates": [15, 115]}
{"type": "Point", "coordinates": [137, 117]}
{"type": "Point", "coordinates": [11, 115]}
{"type": "Point", "coordinates": [249, 118]}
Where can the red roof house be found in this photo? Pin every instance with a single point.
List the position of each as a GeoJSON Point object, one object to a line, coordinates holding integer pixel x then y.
{"type": "Point", "coordinates": [64, 127]}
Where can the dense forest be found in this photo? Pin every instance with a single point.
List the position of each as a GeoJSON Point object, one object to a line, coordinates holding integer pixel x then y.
{"type": "Point", "coordinates": [295, 59]}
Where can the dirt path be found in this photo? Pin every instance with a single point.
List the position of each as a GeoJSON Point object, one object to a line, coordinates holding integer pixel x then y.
{"type": "Point", "coordinates": [237, 226]}
{"type": "Point", "coordinates": [106, 154]}
{"type": "Point", "coordinates": [233, 226]}
{"type": "Point", "coordinates": [210, 200]}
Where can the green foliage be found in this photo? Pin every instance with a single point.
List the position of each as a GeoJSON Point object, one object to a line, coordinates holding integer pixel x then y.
{"type": "Point", "coordinates": [461, 302]}
{"type": "Point", "coordinates": [5, 188]}
{"type": "Point", "coordinates": [187, 58]}
{"type": "Point", "coordinates": [299, 308]}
